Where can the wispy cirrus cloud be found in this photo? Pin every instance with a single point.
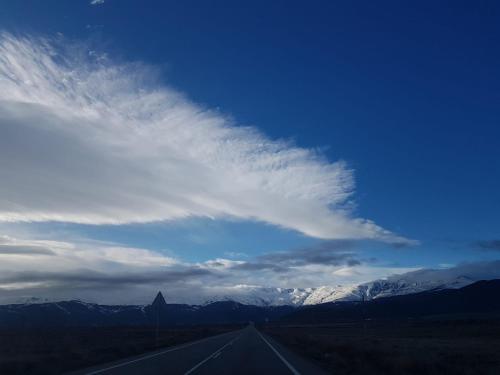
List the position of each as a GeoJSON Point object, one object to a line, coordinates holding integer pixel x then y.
{"type": "Point", "coordinates": [87, 140]}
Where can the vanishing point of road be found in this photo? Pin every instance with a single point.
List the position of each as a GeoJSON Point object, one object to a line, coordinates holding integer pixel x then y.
{"type": "Point", "coordinates": [246, 351]}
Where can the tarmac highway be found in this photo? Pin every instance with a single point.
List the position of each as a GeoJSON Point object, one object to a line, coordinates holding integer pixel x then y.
{"type": "Point", "coordinates": [246, 351]}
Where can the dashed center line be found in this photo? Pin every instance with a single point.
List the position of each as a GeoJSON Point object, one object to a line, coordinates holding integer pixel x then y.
{"type": "Point", "coordinates": [180, 347]}
{"type": "Point", "coordinates": [213, 355]}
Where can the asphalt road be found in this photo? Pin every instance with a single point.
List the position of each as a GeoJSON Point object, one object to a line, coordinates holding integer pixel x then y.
{"type": "Point", "coordinates": [245, 351]}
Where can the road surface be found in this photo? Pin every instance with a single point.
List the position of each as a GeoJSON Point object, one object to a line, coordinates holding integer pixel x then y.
{"type": "Point", "coordinates": [241, 352]}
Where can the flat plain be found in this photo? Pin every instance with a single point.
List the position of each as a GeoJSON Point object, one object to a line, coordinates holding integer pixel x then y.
{"type": "Point", "coordinates": [433, 346]}
{"type": "Point", "coordinates": [55, 351]}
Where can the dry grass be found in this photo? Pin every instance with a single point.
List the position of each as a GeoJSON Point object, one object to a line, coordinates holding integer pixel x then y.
{"type": "Point", "coordinates": [424, 347]}
{"type": "Point", "coordinates": [40, 352]}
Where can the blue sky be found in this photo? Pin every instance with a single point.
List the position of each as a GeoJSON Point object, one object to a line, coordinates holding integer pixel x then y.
{"type": "Point", "coordinates": [405, 95]}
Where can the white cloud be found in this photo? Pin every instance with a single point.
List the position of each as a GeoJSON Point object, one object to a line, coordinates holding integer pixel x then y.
{"type": "Point", "coordinates": [97, 2]}
{"type": "Point", "coordinates": [27, 255]}
{"type": "Point", "coordinates": [85, 140]}
{"type": "Point", "coordinates": [100, 272]}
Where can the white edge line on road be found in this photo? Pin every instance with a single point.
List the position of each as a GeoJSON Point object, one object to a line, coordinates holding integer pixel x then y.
{"type": "Point", "coordinates": [291, 368]}
{"type": "Point", "coordinates": [213, 355]}
{"type": "Point", "coordinates": [153, 355]}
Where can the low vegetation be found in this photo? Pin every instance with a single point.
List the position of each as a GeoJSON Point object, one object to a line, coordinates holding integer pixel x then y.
{"type": "Point", "coordinates": [54, 351]}
{"type": "Point", "coordinates": [442, 347]}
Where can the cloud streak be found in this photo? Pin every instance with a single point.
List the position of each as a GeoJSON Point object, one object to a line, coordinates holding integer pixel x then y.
{"type": "Point", "coordinates": [329, 253]}
{"type": "Point", "coordinates": [488, 245]}
{"type": "Point", "coordinates": [92, 279]}
{"type": "Point", "coordinates": [109, 273]}
{"type": "Point", "coordinates": [92, 270]}
{"type": "Point", "coordinates": [87, 140]}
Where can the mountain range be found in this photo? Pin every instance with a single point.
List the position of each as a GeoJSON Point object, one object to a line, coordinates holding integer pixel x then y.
{"type": "Point", "coordinates": [407, 283]}
{"type": "Point", "coordinates": [244, 303]}
{"type": "Point", "coordinates": [77, 313]}
{"type": "Point", "coordinates": [411, 282]}
{"type": "Point", "coordinates": [478, 297]}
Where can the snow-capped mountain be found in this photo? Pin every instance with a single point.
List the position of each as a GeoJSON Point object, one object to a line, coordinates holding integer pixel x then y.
{"type": "Point", "coordinates": [413, 282]}
{"type": "Point", "coordinates": [326, 294]}
{"type": "Point", "coordinates": [263, 296]}
{"type": "Point", "coordinates": [408, 283]}
{"type": "Point", "coordinates": [266, 296]}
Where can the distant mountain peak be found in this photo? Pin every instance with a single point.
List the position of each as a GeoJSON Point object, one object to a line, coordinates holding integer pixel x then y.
{"type": "Point", "coordinates": [159, 301]}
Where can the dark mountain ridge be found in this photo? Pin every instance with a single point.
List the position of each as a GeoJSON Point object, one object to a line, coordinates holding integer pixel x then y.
{"type": "Point", "coordinates": [80, 314]}
{"type": "Point", "coordinates": [480, 297]}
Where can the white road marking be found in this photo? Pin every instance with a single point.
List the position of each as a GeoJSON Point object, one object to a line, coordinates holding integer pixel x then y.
{"type": "Point", "coordinates": [153, 355]}
{"type": "Point", "coordinates": [213, 355]}
{"type": "Point", "coordinates": [290, 367]}
{"type": "Point", "coordinates": [216, 355]}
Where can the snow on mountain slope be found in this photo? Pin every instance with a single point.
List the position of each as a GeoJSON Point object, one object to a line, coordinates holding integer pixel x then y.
{"type": "Point", "coordinates": [326, 294]}
{"type": "Point", "coordinates": [411, 282]}
{"type": "Point", "coordinates": [263, 296]}
{"type": "Point", "coordinates": [406, 285]}
{"type": "Point", "coordinates": [430, 279]}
